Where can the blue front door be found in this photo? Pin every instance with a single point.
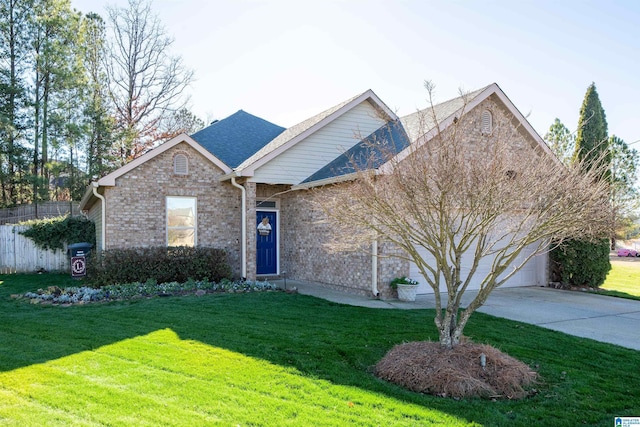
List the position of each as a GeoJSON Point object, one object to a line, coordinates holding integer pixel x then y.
{"type": "Point", "coordinates": [266, 244]}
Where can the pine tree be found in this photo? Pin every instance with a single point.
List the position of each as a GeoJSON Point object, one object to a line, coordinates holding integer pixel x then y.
{"type": "Point", "coordinates": [561, 141]}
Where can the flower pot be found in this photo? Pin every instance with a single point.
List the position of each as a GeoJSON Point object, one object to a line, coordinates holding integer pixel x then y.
{"type": "Point", "coordinates": [407, 292]}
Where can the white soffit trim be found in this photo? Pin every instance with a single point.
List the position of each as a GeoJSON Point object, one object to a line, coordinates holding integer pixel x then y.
{"type": "Point", "coordinates": [110, 179]}
{"type": "Point", "coordinates": [249, 170]}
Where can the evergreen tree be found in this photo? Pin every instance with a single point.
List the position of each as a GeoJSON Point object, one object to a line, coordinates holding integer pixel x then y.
{"type": "Point", "coordinates": [561, 141]}
{"type": "Point", "coordinates": [14, 60]}
{"type": "Point", "coordinates": [624, 193]}
{"type": "Point", "coordinates": [592, 142]}
{"type": "Point", "coordinates": [579, 263]}
{"type": "Point", "coordinates": [99, 124]}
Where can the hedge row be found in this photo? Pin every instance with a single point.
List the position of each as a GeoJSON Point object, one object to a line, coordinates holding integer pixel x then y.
{"type": "Point", "coordinates": [160, 264]}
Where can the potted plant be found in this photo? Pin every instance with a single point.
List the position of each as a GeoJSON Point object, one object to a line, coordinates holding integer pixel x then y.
{"type": "Point", "coordinates": [406, 287]}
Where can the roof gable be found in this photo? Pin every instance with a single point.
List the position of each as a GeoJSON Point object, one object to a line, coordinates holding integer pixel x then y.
{"type": "Point", "coordinates": [421, 125]}
{"type": "Point", "coordinates": [371, 152]}
{"type": "Point", "coordinates": [426, 119]}
{"type": "Point", "coordinates": [237, 137]}
{"type": "Point", "coordinates": [299, 132]}
{"type": "Point", "coordinates": [110, 179]}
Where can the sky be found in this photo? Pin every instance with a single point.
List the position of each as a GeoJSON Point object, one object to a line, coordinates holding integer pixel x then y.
{"type": "Point", "coordinates": [286, 61]}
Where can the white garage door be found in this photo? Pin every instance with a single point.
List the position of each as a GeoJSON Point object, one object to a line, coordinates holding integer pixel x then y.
{"type": "Point", "coordinates": [534, 273]}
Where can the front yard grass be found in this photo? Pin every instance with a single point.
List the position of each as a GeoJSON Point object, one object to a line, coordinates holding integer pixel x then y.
{"type": "Point", "coordinates": [623, 279]}
{"type": "Point", "coordinates": [273, 359]}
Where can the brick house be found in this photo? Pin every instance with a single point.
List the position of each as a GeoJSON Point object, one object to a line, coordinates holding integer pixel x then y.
{"type": "Point", "coordinates": [215, 187]}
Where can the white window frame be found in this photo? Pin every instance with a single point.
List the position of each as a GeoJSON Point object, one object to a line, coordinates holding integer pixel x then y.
{"type": "Point", "coordinates": [194, 227]}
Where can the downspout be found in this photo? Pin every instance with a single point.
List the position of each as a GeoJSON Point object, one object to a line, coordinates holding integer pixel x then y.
{"type": "Point", "coordinates": [374, 268]}
{"type": "Point", "coordinates": [103, 206]}
{"type": "Point", "coordinates": [244, 225]}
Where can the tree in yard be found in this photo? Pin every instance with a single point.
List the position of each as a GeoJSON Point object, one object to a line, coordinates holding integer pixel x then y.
{"type": "Point", "coordinates": [576, 262]}
{"type": "Point", "coordinates": [455, 197]}
{"type": "Point", "coordinates": [57, 80]}
{"type": "Point", "coordinates": [592, 140]}
{"type": "Point", "coordinates": [624, 193]}
{"type": "Point", "coordinates": [146, 83]}
{"type": "Point", "coordinates": [98, 123]}
{"type": "Point", "coordinates": [561, 141]}
{"type": "Point", "coordinates": [14, 39]}
{"type": "Point", "coordinates": [183, 121]}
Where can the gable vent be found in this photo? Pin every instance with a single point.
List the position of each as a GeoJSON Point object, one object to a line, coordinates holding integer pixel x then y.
{"type": "Point", "coordinates": [487, 122]}
{"type": "Point", "coordinates": [180, 165]}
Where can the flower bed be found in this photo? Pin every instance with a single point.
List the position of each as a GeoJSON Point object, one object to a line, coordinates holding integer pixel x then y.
{"type": "Point", "coordinates": [85, 294]}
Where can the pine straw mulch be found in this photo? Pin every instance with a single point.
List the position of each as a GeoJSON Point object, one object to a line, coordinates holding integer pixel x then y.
{"type": "Point", "coordinates": [426, 367]}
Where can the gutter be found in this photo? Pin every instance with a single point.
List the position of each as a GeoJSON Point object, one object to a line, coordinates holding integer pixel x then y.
{"type": "Point", "coordinates": [231, 175]}
{"type": "Point", "coordinates": [374, 268]}
{"type": "Point", "coordinates": [333, 180]}
{"type": "Point", "coordinates": [244, 226]}
{"type": "Point", "coordinates": [103, 207]}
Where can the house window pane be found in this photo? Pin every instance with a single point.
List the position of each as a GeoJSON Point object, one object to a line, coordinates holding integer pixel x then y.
{"type": "Point", "coordinates": [181, 221]}
{"type": "Point", "coordinates": [179, 237]}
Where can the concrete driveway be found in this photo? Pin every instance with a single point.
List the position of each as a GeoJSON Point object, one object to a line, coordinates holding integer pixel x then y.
{"type": "Point", "coordinates": [606, 319]}
{"type": "Point", "coordinates": [602, 318]}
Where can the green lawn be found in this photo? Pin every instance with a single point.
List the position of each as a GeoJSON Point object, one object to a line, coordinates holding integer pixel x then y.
{"type": "Point", "coordinates": [623, 279]}
{"type": "Point", "coordinates": [273, 359]}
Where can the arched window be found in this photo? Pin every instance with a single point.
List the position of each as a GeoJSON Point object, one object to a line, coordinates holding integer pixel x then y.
{"type": "Point", "coordinates": [487, 122]}
{"type": "Point", "coordinates": [180, 164]}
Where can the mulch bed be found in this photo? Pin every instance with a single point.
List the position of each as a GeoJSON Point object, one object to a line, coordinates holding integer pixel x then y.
{"type": "Point", "coordinates": [426, 367]}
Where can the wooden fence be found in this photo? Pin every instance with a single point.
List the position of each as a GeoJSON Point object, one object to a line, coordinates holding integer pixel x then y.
{"type": "Point", "coordinates": [18, 254]}
{"type": "Point", "coordinates": [36, 211]}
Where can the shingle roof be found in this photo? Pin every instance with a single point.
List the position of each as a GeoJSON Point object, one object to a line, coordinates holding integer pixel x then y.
{"type": "Point", "coordinates": [371, 152]}
{"type": "Point", "coordinates": [294, 131]}
{"type": "Point", "coordinates": [422, 121]}
{"type": "Point", "coordinates": [237, 137]}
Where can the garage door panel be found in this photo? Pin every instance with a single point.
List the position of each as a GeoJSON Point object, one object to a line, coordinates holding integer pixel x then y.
{"type": "Point", "coordinates": [530, 274]}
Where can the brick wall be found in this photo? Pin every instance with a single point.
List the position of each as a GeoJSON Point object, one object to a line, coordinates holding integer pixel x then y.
{"type": "Point", "coordinates": [136, 214]}
{"type": "Point", "coordinates": [303, 254]}
{"type": "Point", "coordinates": [136, 206]}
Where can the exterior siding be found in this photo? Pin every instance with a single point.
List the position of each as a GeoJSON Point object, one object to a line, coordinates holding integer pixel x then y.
{"type": "Point", "coordinates": [136, 206]}
{"type": "Point", "coordinates": [95, 215]}
{"type": "Point", "coordinates": [316, 151]}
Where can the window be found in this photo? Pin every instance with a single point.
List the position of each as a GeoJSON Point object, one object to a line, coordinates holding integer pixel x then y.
{"type": "Point", "coordinates": [487, 122]}
{"type": "Point", "coordinates": [266, 204]}
{"type": "Point", "coordinates": [180, 164]}
{"type": "Point", "coordinates": [181, 221]}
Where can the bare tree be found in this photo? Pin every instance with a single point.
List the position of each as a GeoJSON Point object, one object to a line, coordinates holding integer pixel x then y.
{"type": "Point", "coordinates": [456, 196]}
{"type": "Point", "coordinates": [146, 83]}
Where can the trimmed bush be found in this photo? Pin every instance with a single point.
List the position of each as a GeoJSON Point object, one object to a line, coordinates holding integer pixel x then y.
{"type": "Point", "coordinates": [579, 263]}
{"type": "Point", "coordinates": [160, 264]}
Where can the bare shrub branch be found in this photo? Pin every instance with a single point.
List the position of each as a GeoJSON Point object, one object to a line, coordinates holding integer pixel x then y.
{"type": "Point", "coordinates": [461, 197]}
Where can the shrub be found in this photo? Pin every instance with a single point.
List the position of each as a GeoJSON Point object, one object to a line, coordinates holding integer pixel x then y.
{"type": "Point", "coordinates": [579, 263]}
{"type": "Point", "coordinates": [160, 264]}
{"type": "Point", "coordinates": [53, 233]}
